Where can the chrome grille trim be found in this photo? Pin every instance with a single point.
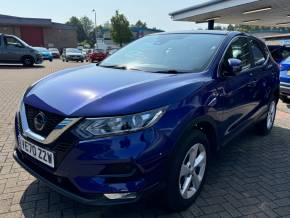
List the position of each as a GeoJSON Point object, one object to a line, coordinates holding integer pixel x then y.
{"type": "Point", "coordinates": [53, 135]}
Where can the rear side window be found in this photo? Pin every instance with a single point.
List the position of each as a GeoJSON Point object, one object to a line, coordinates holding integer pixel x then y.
{"type": "Point", "coordinates": [259, 56]}
{"type": "Point", "coordinates": [239, 49]}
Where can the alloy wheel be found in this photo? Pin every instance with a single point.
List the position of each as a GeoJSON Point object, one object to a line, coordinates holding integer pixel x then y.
{"type": "Point", "coordinates": [192, 170]}
{"type": "Point", "coordinates": [271, 115]}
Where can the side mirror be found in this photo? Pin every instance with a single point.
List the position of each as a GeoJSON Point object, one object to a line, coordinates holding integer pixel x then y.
{"type": "Point", "coordinates": [235, 66]}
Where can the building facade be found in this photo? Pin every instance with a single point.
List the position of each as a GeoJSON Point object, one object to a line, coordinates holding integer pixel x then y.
{"type": "Point", "coordinates": [39, 32]}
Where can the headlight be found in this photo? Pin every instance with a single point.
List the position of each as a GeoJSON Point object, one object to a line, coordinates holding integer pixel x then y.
{"type": "Point", "coordinates": [95, 127]}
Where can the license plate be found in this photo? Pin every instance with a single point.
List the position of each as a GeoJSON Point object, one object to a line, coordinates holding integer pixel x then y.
{"type": "Point", "coordinates": [288, 73]}
{"type": "Point", "coordinates": [37, 152]}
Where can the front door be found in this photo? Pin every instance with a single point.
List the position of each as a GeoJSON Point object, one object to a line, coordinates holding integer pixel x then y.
{"type": "Point", "coordinates": [238, 89]}
{"type": "Point", "coordinates": [13, 50]}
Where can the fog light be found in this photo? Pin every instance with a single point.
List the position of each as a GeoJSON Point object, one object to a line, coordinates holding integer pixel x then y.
{"type": "Point", "coordinates": [115, 196]}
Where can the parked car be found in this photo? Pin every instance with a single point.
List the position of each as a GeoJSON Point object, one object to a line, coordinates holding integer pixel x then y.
{"type": "Point", "coordinates": [72, 54]}
{"type": "Point", "coordinates": [279, 52]}
{"type": "Point", "coordinates": [97, 55]}
{"type": "Point", "coordinates": [148, 118]}
{"type": "Point", "coordinates": [285, 80]}
{"type": "Point", "coordinates": [45, 53]}
{"type": "Point", "coordinates": [55, 52]}
{"type": "Point", "coordinates": [112, 51]}
{"type": "Point", "coordinates": [281, 55]}
{"type": "Point", "coordinates": [14, 50]}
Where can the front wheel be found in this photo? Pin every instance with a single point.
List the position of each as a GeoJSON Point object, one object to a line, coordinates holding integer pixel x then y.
{"type": "Point", "coordinates": [265, 126]}
{"type": "Point", "coordinates": [187, 171]}
{"type": "Point", "coordinates": [27, 61]}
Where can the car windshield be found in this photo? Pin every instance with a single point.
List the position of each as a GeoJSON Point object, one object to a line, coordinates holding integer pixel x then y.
{"type": "Point", "coordinates": [73, 50]}
{"type": "Point", "coordinates": [41, 49]}
{"type": "Point", "coordinates": [53, 49]}
{"type": "Point", "coordinates": [167, 53]}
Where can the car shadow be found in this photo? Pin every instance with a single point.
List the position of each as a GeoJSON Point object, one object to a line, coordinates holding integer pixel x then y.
{"type": "Point", "coordinates": [247, 168]}
{"type": "Point", "coordinates": [7, 67]}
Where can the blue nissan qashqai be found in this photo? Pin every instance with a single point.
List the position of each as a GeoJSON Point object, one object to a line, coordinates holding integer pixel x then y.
{"type": "Point", "coordinates": [146, 118]}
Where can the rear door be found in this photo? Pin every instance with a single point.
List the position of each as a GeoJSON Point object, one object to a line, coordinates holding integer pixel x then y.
{"type": "Point", "coordinates": [263, 75]}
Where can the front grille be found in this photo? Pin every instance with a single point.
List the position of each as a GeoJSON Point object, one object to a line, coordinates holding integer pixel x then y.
{"type": "Point", "coordinates": [52, 120]}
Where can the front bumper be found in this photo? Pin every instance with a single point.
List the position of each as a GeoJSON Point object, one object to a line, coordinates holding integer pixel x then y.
{"type": "Point", "coordinates": [38, 59]}
{"type": "Point", "coordinates": [284, 88]}
{"type": "Point", "coordinates": [86, 171]}
{"type": "Point", "coordinates": [56, 184]}
{"type": "Point", "coordinates": [74, 58]}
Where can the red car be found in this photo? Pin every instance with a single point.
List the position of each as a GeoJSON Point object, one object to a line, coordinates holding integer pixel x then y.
{"type": "Point", "coordinates": [97, 55]}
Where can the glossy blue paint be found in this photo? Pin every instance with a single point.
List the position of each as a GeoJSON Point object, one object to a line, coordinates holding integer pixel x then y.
{"type": "Point", "coordinates": [227, 104]}
{"type": "Point", "coordinates": [285, 67]}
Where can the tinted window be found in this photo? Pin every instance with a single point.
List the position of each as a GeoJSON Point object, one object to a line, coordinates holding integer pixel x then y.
{"type": "Point", "coordinates": [285, 53]}
{"type": "Point", "coordinates": [258, 55]}
{"type": "Point", "coordinates": [73, 50]}
{"type": "Point", "coordinates": [239, 49]}
{"type": "Point", "coordinates": [164, 52]}
{"type": "Point", "coordinates": [11, 41]}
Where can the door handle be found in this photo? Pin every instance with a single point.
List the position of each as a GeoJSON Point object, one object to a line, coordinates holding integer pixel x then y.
{"type": "Point", "coordinates": [252, 84]}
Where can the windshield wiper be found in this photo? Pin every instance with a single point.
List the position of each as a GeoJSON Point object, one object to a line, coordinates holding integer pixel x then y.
{"type": "Point", "coordinates": [168, 71]}
{"type": "Point", "coordinates": [114, 67]}
{"type": "Point", "coordinates": [121, 67]}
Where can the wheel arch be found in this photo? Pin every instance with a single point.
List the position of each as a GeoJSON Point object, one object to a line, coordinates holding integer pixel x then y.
{"type": "Point", "coordinates": [206, 125]}
{"type": "Point", "coordinates": [28, 56]}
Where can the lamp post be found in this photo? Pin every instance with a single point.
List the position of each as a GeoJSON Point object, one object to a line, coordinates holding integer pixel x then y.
{"type": "Point", "coordinates": [95, 12]}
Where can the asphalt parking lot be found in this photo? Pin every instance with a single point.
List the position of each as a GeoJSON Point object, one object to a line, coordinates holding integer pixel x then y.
{"type": "Point", "coordinates": [250, 178]}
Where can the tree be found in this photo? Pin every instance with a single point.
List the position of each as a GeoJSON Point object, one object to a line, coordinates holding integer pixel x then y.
{"type": "Point", "coordinates": [120, 31]}
{"type": "Point", "coordinates": [231, 27]}
{"type": "Point", "coordinates": [81, 36]}
{"type": "Point", "coordinates": [141, 24]}
{"type": "Point", "coordinates": [87, 25]}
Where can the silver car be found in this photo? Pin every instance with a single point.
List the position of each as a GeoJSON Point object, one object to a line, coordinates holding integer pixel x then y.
{"type": "Point", "coordinates": [14, 50]}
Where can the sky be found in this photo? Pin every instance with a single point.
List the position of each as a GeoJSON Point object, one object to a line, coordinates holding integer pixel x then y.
{"type": "Point", "coordinates": [153, 12]}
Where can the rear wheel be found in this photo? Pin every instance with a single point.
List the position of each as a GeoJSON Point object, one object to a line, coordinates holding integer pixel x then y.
{"type": "Point", "coordinates": [187, 171]}
{"type": "Point", "coordinates": [27, 61]}
{"type": "Point", "coordinates": [266, 125]}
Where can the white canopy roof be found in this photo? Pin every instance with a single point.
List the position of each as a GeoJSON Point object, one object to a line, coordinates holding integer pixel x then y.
{"type": "Point", "coordinates": [250, 12]}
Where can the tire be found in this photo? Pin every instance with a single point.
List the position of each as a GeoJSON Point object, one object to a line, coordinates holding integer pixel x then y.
{"type": "Point", "coordinates": [66, 60]}
{"type": "Point", "coordinates": [50, 60]}
{"type": "Point", "coordinates": [82, 61]}
{"type": "Point", "coordinates": [177, 196]}
{"type": "Point", "coordinates": [284, 98]}
{"type": "Point", "coordinates": [27, 61]}
{"type": "Point", "coordinates": [265, 126]}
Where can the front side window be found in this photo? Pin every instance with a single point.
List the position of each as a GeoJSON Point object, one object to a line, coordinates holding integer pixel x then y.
{"type": "Point", "coordinates": [238, 49]}
{"type": "Point", "coordinates": [258, 55]}
{"type": "Point", "coordinates": [180, 52]}
{"type": "Point", "coordinates": [12, 42]}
